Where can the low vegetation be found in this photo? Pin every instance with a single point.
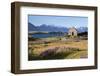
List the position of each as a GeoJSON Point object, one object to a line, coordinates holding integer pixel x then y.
{"type": "Point", "coordinates": [57, 48]}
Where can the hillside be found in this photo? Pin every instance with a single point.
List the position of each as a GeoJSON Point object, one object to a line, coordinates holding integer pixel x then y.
{"type": "Point", "coordinates": [53, 28]}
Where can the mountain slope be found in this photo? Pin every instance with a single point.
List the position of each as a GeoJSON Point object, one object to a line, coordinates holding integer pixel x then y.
{"type": "Point", "coordinates": [32, 27]}
{"type": "Point", "coordinates": [44, 27]}
{"type": "Point", "coordinates": [52, 28]}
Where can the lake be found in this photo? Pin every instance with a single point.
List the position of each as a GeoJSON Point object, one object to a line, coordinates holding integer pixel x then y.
{"type": "Point", "coordinates": [45, 35]}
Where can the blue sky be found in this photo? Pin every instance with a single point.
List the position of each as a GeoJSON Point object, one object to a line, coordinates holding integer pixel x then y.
{"type": "Point", "coordinates": [60, 21]}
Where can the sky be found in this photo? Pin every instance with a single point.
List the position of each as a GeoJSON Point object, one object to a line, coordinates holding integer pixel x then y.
{"type": "Point", "coordinates": [59, 21]}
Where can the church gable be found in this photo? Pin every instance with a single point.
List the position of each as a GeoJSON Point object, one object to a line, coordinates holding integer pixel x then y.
{"type": "Point", "coordinates": [72, 31]}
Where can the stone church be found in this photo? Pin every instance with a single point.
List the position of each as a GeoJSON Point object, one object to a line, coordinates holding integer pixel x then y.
{"type": "Point", "coordinates": [72, 31]}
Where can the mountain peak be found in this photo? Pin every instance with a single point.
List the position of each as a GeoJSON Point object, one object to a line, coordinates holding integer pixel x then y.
{"type": "Point", "coordinates": [52, 28]}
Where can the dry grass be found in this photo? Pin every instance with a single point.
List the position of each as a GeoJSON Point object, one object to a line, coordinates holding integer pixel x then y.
{"type": "Point", "coordinates": [37, 49]}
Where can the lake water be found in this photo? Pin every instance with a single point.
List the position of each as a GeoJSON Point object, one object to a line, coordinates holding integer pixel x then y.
{"type": "Point", "coordinates": [42, 35]}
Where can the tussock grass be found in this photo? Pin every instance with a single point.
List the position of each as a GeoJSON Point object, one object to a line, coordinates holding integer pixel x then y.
{"type": "Point", "coordinates": [57, 49]}
{"type": "Point", "coordinates": [55, 53]}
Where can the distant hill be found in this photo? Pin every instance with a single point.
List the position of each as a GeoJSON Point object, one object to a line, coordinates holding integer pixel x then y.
{"type": "Point", "coordinates": [32, 27]}
{"type": "Point", "coordinates": [44, 27]}
{"type": "Point", "coordinates": [52, 28]}
{"type": "Point", "coordinates": [82, 29]}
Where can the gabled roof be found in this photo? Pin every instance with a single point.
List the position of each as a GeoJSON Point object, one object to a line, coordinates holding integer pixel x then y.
{"type": "Point", "coordinates": [73, 28]}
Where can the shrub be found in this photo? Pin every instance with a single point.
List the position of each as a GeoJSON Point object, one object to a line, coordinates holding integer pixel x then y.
{"type": "Point", "coordinates": [32, 39]}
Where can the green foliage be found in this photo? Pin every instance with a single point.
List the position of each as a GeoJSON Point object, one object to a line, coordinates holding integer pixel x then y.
{"type": "Point", "coordinates": [32, 39]}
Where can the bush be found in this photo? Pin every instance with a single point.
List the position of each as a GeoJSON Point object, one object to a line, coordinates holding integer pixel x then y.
{"type": "Point", "coordinates": [32, 39]}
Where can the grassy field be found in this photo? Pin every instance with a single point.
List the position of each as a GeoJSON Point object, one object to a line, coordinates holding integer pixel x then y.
{"type": "Point", "coordinates": [57, 48]}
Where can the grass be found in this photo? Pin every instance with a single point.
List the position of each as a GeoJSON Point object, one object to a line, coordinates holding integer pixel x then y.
{"type": "Point", "coordinates": [55, 53]}
{"type": "Point", "coordinates": [80, 54]}
{"type": "Point", "coordinates": [58, 49]}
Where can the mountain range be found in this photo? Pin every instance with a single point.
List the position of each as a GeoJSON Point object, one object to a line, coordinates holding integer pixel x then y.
{"type": "Point", "coordinates": [52, 28]}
